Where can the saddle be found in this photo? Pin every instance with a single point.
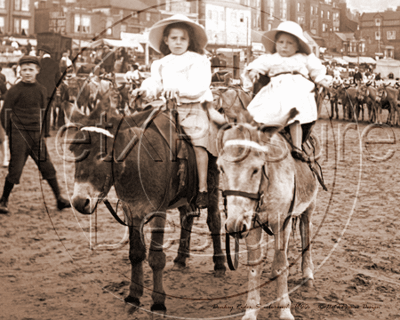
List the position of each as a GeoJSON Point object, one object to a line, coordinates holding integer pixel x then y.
{"type": "Point", "coordinates": [311, 148]}
{"type": "Point", "coordinates": [165, 122]}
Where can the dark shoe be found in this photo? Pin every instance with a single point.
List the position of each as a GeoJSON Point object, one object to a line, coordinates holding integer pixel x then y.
{"type": "Point", "coordinates": [300, 155]}
{"type": "Point", "coordinates": [63, 203]}
{"type": "Point", "coordinates": [3, 207]}
{"type": "Point", "coordinates": [202, 200]}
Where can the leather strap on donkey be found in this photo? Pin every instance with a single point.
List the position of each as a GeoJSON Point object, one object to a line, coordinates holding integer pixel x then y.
{"type": "Point", "coordinates": [255, 196]}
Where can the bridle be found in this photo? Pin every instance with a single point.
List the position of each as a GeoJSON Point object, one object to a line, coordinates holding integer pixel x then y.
{"type": "Point", "coordinates": [221, 100]}
{"type": "Point", "coordinates": [258, 197]}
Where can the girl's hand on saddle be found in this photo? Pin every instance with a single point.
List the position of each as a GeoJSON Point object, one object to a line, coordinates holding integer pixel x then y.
{"type": "Point", "coordinates": [170, 93]}
{"type": "Point", "coordinates": [143, 93]}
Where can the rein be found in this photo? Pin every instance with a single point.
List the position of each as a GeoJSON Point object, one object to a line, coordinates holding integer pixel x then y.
{"type": "Point", "coordinates": [259, 196]}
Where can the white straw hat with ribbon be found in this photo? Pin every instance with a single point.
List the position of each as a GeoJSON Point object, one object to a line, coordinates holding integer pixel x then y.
{"type": "Point", "coordinates": [157, 30]}
{"type": "Point", "coordinates": [290, 27]}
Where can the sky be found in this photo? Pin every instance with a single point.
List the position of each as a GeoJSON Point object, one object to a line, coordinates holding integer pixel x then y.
{"type": "Point", "coordinates": [372, 5]}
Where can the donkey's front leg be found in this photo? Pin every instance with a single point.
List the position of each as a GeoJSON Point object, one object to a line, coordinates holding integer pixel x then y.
{"type": "Point", "coordinates": [137, 253]}
{"type": "Point", "coordinates": [305, 231]}
{"type": "Point", "coordinates": [255, 268]}
{"type": "Point", "coordinates": [184, 242]}
{"type": "Point", "coordinates": [157, 262]}
{"type": "Point", "coordinates": [280, 270]}
{"type": "Point", "coordinates": [214, 217]}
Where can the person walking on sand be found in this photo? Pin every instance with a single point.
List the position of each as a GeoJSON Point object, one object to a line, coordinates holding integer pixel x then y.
{"type": "Point", "coordinates": [21, 117]}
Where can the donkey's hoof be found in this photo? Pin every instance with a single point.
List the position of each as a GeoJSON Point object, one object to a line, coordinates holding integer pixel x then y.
{"type": "Point", "coordinates": [158, 311]}
{"type": "Point", "coordinates": [132, 304]}
{"type": "Point", "coordinates": [309, 283]}
{"type": "Point", "coordinates": [220, 273]}
{"type": "Point", "coordinates": [285, 314]}
{"type": "Point", "coordinates": [178, 266]}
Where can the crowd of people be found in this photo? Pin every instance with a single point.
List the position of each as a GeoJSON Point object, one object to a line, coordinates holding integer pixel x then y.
{"type": "Point", "coordinates": [184, 72]}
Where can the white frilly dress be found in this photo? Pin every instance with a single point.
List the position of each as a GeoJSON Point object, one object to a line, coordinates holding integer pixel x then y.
{"type": "Point", "coordinates": [286, 90]}
{"type": "Point", "coordinates": [190, 73]}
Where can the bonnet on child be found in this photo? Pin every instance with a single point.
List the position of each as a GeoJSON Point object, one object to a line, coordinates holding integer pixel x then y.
{"type": "Point", "coordinates": [290, 27]}
{"type": "Point", "coordinates": [157, 31]}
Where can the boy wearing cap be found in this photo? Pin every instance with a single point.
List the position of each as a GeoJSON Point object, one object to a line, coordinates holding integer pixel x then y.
{"type": "Point", "coordinates": [21, 117]}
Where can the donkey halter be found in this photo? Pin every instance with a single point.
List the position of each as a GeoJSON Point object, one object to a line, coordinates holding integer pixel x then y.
{"type": "Point", "coordinates": [259, 197]}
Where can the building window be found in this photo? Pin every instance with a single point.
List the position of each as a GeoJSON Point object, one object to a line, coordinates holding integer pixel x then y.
{"type": "Point", "coordinates": [271, 8]}
{"type": "Point", "coordinates": [328, 15]}
{"type": "Point", "coordinates": [2, 4]}
{"type": "Point", "coordinates": [24, 5]}
{"type": "Point", "coordinates": [298, 7]}
{"type": "Point", "coordinates": [168, 5]}
{"type": "Point", "coordinates": [269, 27]}
{"type": "Point", "coordinates": [378, 22]}
{"type": "Point", "coordinates": [148, 16]}
{"type": "Point", "coordinates": [324, 27]}
{"type": "Point", "coordinates": [312, 10]}
{"type": "Point", "coordinates": [83, 27]}
{"type": "Point", "coordinates": [17, 5]}
{"type": "Point", "coordinates": [123, 27]}
{"type": "Point", "coordinates": [283, 9]}
{"type": "Point", "coordinates": [391, 35]}
{"type": "Point", "coordinates": [24, 27]}
{"type": "Point", "coordinates": [322, 14]}
{"type": "Point", "coordinates": [1, 25]}
{"type": "Point", "coordinates": [377, 35]}
{"type": "Point", "coordinates": [109, 24]}
{"type": "Point", "coordinates": [16, 26]}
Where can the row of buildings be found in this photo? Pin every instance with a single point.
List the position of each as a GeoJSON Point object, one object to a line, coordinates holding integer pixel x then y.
{"type": "Point", "coordinates": [331, 29]}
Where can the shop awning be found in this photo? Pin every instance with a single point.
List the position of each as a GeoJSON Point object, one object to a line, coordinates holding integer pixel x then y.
{"type": "Point", "coordinates": [23, 41]}
{"type": "Point", "coordinates": [355, 60]}
{"type": "Point", "coordinates": [127, 43]}
{"type": "Point", "coordinates": [339, 60]}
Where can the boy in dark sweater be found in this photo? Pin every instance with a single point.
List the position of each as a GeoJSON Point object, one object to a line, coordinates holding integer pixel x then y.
{"type": "Point", "coordinates": [21, 117]}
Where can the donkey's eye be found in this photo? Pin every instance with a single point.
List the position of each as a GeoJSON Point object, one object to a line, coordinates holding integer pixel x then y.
{"type": "Point", "coordinates": [255, 171]}
{"type": "Point", "coordinates": [221, 170]}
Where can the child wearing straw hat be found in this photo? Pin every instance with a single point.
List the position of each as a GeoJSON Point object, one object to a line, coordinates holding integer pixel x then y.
{"type": "Point", "coordinates": [184, 72]}
{"type": "Point", "coordinates": [293, 70]}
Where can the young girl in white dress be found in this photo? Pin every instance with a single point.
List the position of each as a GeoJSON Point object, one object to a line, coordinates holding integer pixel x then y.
{"type": "Point", "coordinates": [184, 72]}
{"type": "Point", "coordinates": [293, 70]}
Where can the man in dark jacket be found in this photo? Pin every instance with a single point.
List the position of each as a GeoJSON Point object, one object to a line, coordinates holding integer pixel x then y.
{"type": "Point", "coordinates": [48, 76]}
{"type": "Point", "coordinates": [108, 57]}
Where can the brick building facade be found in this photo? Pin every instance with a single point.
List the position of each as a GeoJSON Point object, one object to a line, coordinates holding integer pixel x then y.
{"type": "Point", "coordinates": [381, 31]}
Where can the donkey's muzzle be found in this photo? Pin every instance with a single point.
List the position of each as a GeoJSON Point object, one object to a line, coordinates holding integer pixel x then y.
{"type": "Point", "coordinates": [83, 204]}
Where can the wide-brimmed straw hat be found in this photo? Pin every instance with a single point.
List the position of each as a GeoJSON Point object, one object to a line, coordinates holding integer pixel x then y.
{"type": "Point", "coordinates": [290, 27]}
{"type": "Point", "coordinates": [157, 30]}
